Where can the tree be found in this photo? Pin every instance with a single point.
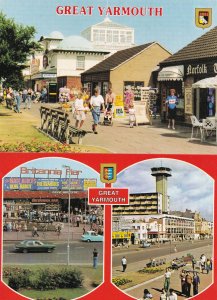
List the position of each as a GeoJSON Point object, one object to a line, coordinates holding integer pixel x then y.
{"type": "Point", "coordinates": [17, 43]}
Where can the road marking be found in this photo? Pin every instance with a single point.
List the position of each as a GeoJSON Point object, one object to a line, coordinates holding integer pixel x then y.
{"type": "Point", "coordinates": [61, 253]}
{"type": "Point", "coordinates": [79, 247]}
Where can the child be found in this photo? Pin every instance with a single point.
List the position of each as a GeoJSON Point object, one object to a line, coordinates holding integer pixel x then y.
{"type": "Point", "coordinates": [132, 115]}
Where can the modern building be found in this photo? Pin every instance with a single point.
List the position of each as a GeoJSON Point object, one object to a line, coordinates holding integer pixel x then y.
{"type": "Point", "coordinates": [160, 227]}
{"type": "Point", "coordinates": [109, 36]}
{"type": "Point", "coordinates": [126, 69]}
{"type": "Point", "coordinates": [192, 72]}
{"type": "Point", "coordinates": [140, 204]}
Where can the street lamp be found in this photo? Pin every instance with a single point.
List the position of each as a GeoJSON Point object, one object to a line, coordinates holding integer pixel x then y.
{"type": "Point", "coordinates": [69, 205]}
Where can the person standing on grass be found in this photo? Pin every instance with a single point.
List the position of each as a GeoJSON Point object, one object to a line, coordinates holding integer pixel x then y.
{"type": "Point", "coordinates": [124, 263]}
{"type": "Point", "coordinates": [171, 102]}
{"type": "Point", "coordinates": [95, 258]}
{"type": "Point", "coordinates": [96, 102]}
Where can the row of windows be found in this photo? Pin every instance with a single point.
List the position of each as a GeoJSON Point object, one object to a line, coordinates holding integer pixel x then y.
{"type": "Point", "coordinates": [112, 36]}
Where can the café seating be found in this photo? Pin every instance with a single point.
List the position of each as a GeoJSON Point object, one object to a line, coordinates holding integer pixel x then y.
{"type": "Point", "coordinates": [196, 124]}
{"type": "Point", "coordinates": [208, 128]}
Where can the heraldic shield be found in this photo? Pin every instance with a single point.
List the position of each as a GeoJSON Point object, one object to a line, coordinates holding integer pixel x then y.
{"type": "Point", "coordinates": [108, 173]}
{"type": "Point", "coordinates": [203, 17]}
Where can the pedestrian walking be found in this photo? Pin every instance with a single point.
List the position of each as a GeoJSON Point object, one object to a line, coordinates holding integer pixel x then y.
{"type": "Point", "coordinates": [167, 277]}
{"type": "Point", "coordinates": [193, 262]}
{"type": "Point", "coordinates": [202, 263]}
{"type": "Point", "coordinates": [124, 263]}
{"type": "Point", "coordinates": [172, 295]}
{"type": "Point", "coordinates": [34, 231]}
{"type": "Point", "coordinates": [79, 113]}
{"type": "Point", "coordinates": [208, 264]}
{"type": "Point", "coordinates": [175, 249]}
{"type": "Point", "coordinates": [196, 282]}
{"type": "Point", "coordinates": [18, 100]}
{"type": "Point", "coordinates": [132, 115]}
{"type": "Point", "coordinates": [171, 102]}
{"type": "Point", "coordinates": [95, 258]}
{"type": "Point", "coordinates": [96, 102]}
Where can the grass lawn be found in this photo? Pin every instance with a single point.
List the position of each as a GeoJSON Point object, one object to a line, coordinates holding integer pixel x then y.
{"type": "Point", "coordinates": [90, 276]}
{"type": "Point", "coordinates": [22, 128]}
{"type": "Point", "coordinates": [137, 278]}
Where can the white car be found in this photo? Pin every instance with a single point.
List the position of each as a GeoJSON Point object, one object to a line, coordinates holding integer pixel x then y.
{"type": "Point", "coordinates": [91, 236]}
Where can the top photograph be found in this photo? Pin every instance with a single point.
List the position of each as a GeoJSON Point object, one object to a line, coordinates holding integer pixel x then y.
{"type": "Point", "coordinates": [108, 76]}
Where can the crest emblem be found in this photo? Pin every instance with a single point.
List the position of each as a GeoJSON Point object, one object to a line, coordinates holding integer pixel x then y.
{"type": "Point", "coordinates": [108, 173]}
{"type": "Point", "coordinates": [203, 17]}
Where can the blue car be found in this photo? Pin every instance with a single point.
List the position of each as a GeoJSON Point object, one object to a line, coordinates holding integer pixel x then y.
{"type": "Point", "coordinates": [91, 236]}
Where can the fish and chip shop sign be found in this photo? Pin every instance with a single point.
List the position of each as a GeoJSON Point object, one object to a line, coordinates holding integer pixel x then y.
{"type": "Point", "coordinates": [47, 184]}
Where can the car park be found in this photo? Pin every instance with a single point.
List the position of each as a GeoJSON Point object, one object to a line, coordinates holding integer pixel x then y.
{"type": "Point", "coordinates": [91, 236]}
{"type": "Point", "coordinates": [34, 246]}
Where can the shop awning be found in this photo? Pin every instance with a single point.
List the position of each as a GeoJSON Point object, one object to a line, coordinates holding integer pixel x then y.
{"type": "Point", "coordinates": [206, 83]}
{"type": "Point", "coordinates": [171, 73]}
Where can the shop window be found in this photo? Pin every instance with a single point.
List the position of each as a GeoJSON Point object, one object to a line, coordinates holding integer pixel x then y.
{"type": "Point", "coordinates": [132, 89]}
{"type": "Point", "coordinates": [80, 63]}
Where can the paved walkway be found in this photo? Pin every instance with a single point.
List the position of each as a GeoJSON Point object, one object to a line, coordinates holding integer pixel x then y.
{"type": "Point", "coordinates": [156, 138]}
{"type": "Point", "coordinates": [155, 285]}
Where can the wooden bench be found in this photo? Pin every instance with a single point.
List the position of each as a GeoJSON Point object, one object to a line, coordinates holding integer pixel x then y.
{"type": "Point", "coordinates": [56, 123]}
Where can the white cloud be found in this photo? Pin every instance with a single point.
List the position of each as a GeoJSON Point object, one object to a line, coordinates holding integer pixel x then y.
{"type": "Point", "coordinates": [189, 187]}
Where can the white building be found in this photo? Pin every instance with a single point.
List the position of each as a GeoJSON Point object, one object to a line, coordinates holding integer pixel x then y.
{"type": "Point", "coordinates": [110, 36]}
{"type": "Point", "coordinates": [62, 60]}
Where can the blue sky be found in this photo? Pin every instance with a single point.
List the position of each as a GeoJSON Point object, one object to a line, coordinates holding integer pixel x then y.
{"type": "Point", "coordinates": [175, 29]}
{"type": "Point", "coordinates": [189, 187]}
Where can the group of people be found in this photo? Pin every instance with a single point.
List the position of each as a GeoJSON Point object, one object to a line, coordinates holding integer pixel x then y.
{"type": "Point", "coordinates": [23, 96]}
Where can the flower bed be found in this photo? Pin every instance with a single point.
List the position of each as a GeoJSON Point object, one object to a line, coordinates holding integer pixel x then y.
{"type": "Point", "coordinates": [152, 270]}
{"type": "Point", "coordinates": [120, 281]}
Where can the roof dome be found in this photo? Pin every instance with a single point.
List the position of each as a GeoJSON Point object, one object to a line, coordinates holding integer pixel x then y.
{"type": "Point", "coordinates": [75, 42]}
{"type": "Point", "coordinates": [56, 35]}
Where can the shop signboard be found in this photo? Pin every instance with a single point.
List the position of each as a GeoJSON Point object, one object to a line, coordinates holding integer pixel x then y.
{"type": "Point", "coordinates": [188, 100]}
{"type": "Point", "coordinates": [92, 182]}
{"type": "Point", "coordinates": [119, 112]}
{"type": "Point", "coordinates": [121, 235]}
{"type": "Point", "coordinates": [44, 184]}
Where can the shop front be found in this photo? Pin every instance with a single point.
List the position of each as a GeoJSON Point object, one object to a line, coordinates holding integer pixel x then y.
{"type": "Point", "coordinates": [192, 72]}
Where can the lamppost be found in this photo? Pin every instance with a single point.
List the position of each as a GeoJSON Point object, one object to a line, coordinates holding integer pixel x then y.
{"type": "Point", "coordinates": [69, 215]}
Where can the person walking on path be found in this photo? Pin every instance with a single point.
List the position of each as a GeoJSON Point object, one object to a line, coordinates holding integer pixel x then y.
{"type": "Point", "coordinates": [171, 102]}
{"type": "Point", "coordinates": [79, 113]}
{"type": "Point", "coordinates": [208, 265]}
{"type": "Point", "coordinates": [95, 258]}
{"type": "Point", "coordinates": [132, 115]}
{"type": "Point", "coordinates": [167, 277]}
{"type": "Point", "coordinates": [28, 101]}
{"type": "Point", "coordinates": [34, 231]}
{"type": "Point", "coordinates": [109, 99]}
{"type": "Point", "coordinates": [18, 100]}
{"type": "Point", "coordinates": [196, 282]}
{"type": "Point", "coordinates": [124, 263]}
{"type": "Point", "coordinates": [96, 102]}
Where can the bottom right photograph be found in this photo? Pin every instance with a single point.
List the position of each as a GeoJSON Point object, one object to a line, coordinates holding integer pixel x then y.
{"type": "Point", "coordinates": [162, 242]}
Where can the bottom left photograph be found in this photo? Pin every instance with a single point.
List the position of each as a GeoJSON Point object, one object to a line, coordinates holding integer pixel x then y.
{"type": "Point", "coordinates": [52, 239]}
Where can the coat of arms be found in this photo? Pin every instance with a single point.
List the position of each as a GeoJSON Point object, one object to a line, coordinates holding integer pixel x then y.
{"type": "Point", "coordinates": [203, 17]}
{"type": "Point", "coordinates": [108, 173]}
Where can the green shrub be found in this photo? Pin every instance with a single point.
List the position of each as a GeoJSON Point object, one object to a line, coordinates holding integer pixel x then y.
{"type": "Point", "coordinates": [18, 281]}
{"type": "Point", "coordinates": [120, 281]}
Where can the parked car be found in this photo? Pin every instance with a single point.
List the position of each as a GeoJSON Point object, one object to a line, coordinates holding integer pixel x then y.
{"type": "Point", "coordinates": [145, 245]}
{"type": "Point", "coordinates": [34, 246]}
{"type": "Point", "coordinates": [91, 236]}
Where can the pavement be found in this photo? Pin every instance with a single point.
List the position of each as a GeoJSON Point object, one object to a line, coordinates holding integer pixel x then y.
{"type": "Point", "coordinates": [75, 234]}
{"type": "Point", "coordinates": [155, 138]}
{"type": "Point", "coordinates": [155, 285]}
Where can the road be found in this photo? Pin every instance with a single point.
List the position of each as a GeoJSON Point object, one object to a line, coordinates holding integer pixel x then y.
{"type": "Point", "coordinates": [165, 249]}
{"type": "Point", "coordinates": [80, 253]}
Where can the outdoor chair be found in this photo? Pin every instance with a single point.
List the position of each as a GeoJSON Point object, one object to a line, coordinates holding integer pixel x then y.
{"type": "Point", "coordinates": [208, 128]}
{"type": "Point", "coordinates": [196, 124]}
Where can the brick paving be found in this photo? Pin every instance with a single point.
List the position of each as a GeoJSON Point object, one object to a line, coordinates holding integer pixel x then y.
{"type": "Point", "coordinates": [156, 138]}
